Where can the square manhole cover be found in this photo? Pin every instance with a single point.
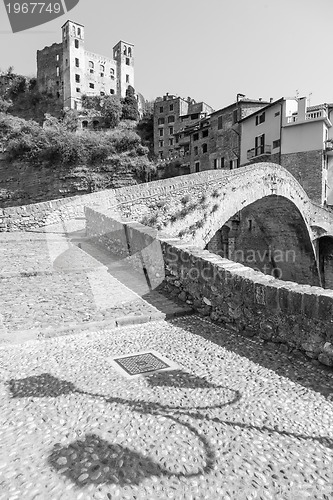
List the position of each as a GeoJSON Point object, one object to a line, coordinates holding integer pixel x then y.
{"type": "Point", "coordinates": [142, 363]}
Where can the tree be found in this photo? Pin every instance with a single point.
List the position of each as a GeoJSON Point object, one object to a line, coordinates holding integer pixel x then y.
{"type": "Point", "coordinates": [70, 119]}
{"type": "Point", "coordinates": [111, 111]}
{"type": "Point", "coordinates": [4, 105]}
{"type": "Point", "coordinates": [130, 105]}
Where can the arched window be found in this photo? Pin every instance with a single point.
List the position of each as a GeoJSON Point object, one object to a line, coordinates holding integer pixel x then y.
{"type": "Point", "coordinates": [79, 32]}
{"type": "Point", "coordinates": [112, 73]}
{"type": "Point", "coordinates": [91, 67]}
{"type": "Point", "coordinates": [84, 124]}
{"type": "Point", "coordinates": [129, 51]}
{"type": "Point", "coordinates": [125, 51]}
{"type": "Point", "coordinates": [74, 32]}
{"type": "Point", "coordinates": [102, 69]}
{"type": "Point", "coordinates": [95, 123]}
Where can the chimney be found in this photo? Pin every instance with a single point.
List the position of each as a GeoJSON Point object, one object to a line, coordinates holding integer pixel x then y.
{"type": "Point", "coordinates": [271, 99]}
{"type": "Point", "coordinates": [260, 98]}
{"type": "Point", "coordinates": [301, 109]}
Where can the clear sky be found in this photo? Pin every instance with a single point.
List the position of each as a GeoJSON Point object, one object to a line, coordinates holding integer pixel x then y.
{"type": "Point", "coordinates": [209, 50]}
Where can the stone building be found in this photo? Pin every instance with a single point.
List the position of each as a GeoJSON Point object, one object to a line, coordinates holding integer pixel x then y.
{"type": "Point", "coordinates": [214, 142]}
{"type": "Point", "coordinates": [171, 114]}
{"type": "Point", "coordinates": [299, 138]}
{"type": "Point", "coordinates": [67, 70]}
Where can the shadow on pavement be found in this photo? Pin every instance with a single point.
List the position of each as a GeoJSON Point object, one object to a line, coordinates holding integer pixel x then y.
{"type": "Point", "coordinates": [93, 460]}
{"type": "Point", "coordinates": [297, 368]}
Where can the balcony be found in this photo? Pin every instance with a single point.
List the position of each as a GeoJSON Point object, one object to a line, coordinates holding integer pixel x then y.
{"type": "Point", "coordinates": [319, 114]}
{"type": "Point", "coordinates": [259, 151]}
{"type": "Point", "coordinates": [328, 147]}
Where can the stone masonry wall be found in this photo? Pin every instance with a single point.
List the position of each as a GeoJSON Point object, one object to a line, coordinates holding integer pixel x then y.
{"type": "Point", "coordinates": [306, 167]}
{"type": "Point", "coordinates": [244, 300]}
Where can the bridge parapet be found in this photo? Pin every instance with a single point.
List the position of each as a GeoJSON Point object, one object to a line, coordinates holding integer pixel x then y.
{"type": "Point", "coordinates": [242, 299]}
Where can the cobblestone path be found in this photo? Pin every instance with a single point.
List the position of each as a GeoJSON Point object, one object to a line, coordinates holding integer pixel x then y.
{"type": "Point", "coordinates": [50, 287]}
{"type": "Point", "coordinates": [237, 421]}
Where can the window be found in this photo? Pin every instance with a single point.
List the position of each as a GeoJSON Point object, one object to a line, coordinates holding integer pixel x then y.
{"type": "Point", "coordinates": [195, 150]}
{"type": "Point", "coordinates": [77, 78]}
{"type": "Point", "coordinates": [95, 123]}
{"type": "Point", "coordinates": [195, 116]}
{"type": "Point", "coordinates": [260, 118]}
{"type": "Point", "coordinates": [177, 139]}
{"type": "Point", "coordinates": [77, 62]}
{"type": "Point", "coordinates": [78, 89]}
{"type": "Point", "coordinates": [112, 73]}
{"type": "Point", "coordinates": [277, 113]}
{"type": "Point", "coordinates": [76, 44]}
{"type": "Point", "coordinates": [161, 154]}
{"type": "Point", "coordinates": [171, 142]}
{"type": "Point", "coordinates": [171, 119]}
{"type": "Point", "coordinates": [161, 121]}
{"type": "Point", "coordinates": [259, 145]}
{"type": "Point", "coordinates": [102, 93]}
{"type": "Point", "coordinates": [204, 148]}
{"type": "Point", "coordinates": [219, 122]}
{"type": "Point", "coordinates": [127, 78]}
{"type": "Point", "coordinates": [230, 164]}
{"type": "Point", "coordinates": [127, 61]}
{"type": "Point", "coordinates": [91, 86]}
{"type": "Point", "coordinates": [170, 130]}
{"type": "Point", "coordinates": [197, 166]}
{"type": "Point", "coordinates": [171, 107]}
{"type": "Point", "coordinates": [250, 224]}
{"type": "Point", "coordinates": [161, 144]}
{"type": "Point", "coordinates": [129, 51]}
{"type": "Point", "coordinates": [161, 132]}
{"type": "Point", "coordinates": [58, 94]}
{"type": "Point", "coordinates": [195, 137]}
{"type": "Point", "coordinates": [102, 69]}
{"type": "Point", "coordinates": [215, 164]}
{"type": "Point", "coordinates": [161, 109]}
{"type": "Point", "coordinates": [222, 162]}
{"type": "Point", "coordinates": [235, 116]}
{"type": "Point", "coordinates": [58, 70]}
{"type": "Point", "coordinates": [111, 91]}
{"type": "Point", "coordinates": [84, 124]}
{"type": "Point", "coordinates": [91, 66]}
{"type": "Point", "coordinates": [79, 32]}
{"type": "Point", "coordinates": [205, 133]}
{"type": "Point", "coordinates": [276, 144]}
{"type": "Point", "coordinates": [125, 51]}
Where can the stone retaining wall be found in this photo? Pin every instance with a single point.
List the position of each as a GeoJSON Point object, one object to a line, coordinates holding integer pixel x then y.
{"type": "Point", "coordinates": [244, 300]}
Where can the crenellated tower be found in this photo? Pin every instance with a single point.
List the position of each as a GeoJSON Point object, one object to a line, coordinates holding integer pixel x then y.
{"type": "Point", "coordinates": [124, 57]}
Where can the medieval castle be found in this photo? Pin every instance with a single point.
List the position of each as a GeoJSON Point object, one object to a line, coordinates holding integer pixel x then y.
{"type": "Point", "coordinates": [67, 70]}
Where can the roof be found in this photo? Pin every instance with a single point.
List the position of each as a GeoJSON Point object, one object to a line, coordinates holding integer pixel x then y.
{"type": "Point", "coordinates": [250, 101]}
{"type": "Point", "coordinates": [69, 21]}
{"type": "Point", "coordinates": [269, 105]}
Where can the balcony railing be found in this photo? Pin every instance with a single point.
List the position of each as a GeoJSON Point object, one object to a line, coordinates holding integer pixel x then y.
{"type": "Point", "coordinates": [309, 115]}
{"type": "Point", "coordinates": [259, 151]}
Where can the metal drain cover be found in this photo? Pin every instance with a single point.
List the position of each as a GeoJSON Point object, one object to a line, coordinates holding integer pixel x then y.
{"type": "Point", "coordinates": [142, 363]}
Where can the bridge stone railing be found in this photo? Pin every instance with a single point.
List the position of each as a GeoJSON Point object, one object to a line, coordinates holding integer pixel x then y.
{"type": "Point", "coordinates": [239, 298]}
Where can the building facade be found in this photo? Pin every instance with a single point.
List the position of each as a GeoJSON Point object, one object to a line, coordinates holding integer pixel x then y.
{"type": "Point", "coordinates": [67, 70]}
{"type": "Point", "coordinates": [298, 137]}
{"type": "Point", "coordinates": [171, 115]}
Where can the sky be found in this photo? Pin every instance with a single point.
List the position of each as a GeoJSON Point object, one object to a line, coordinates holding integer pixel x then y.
{"type": "Point", "coordinates": [209, 50]}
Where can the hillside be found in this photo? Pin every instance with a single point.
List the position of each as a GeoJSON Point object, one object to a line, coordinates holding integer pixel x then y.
{"type": "Point", "coordinates": [50, 162]}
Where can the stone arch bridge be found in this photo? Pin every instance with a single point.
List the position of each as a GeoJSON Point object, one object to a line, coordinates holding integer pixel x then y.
{"type": "Point", "coordinates": [270, 203]}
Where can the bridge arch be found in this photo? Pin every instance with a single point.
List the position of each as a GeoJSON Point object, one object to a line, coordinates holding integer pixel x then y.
{"type": "Point", "coordinates": [270, 235]}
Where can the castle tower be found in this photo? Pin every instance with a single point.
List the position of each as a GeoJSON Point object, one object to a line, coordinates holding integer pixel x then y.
{"type": "Point", "coordinates": [73, 64]}
{"type": "Point", "coordinates": [123, 55]}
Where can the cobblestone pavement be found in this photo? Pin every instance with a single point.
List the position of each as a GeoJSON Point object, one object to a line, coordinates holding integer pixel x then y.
{"type": "Point", "coordinates": [50, 287]}
{"type": "Point", "coordinates": [237, 421]}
